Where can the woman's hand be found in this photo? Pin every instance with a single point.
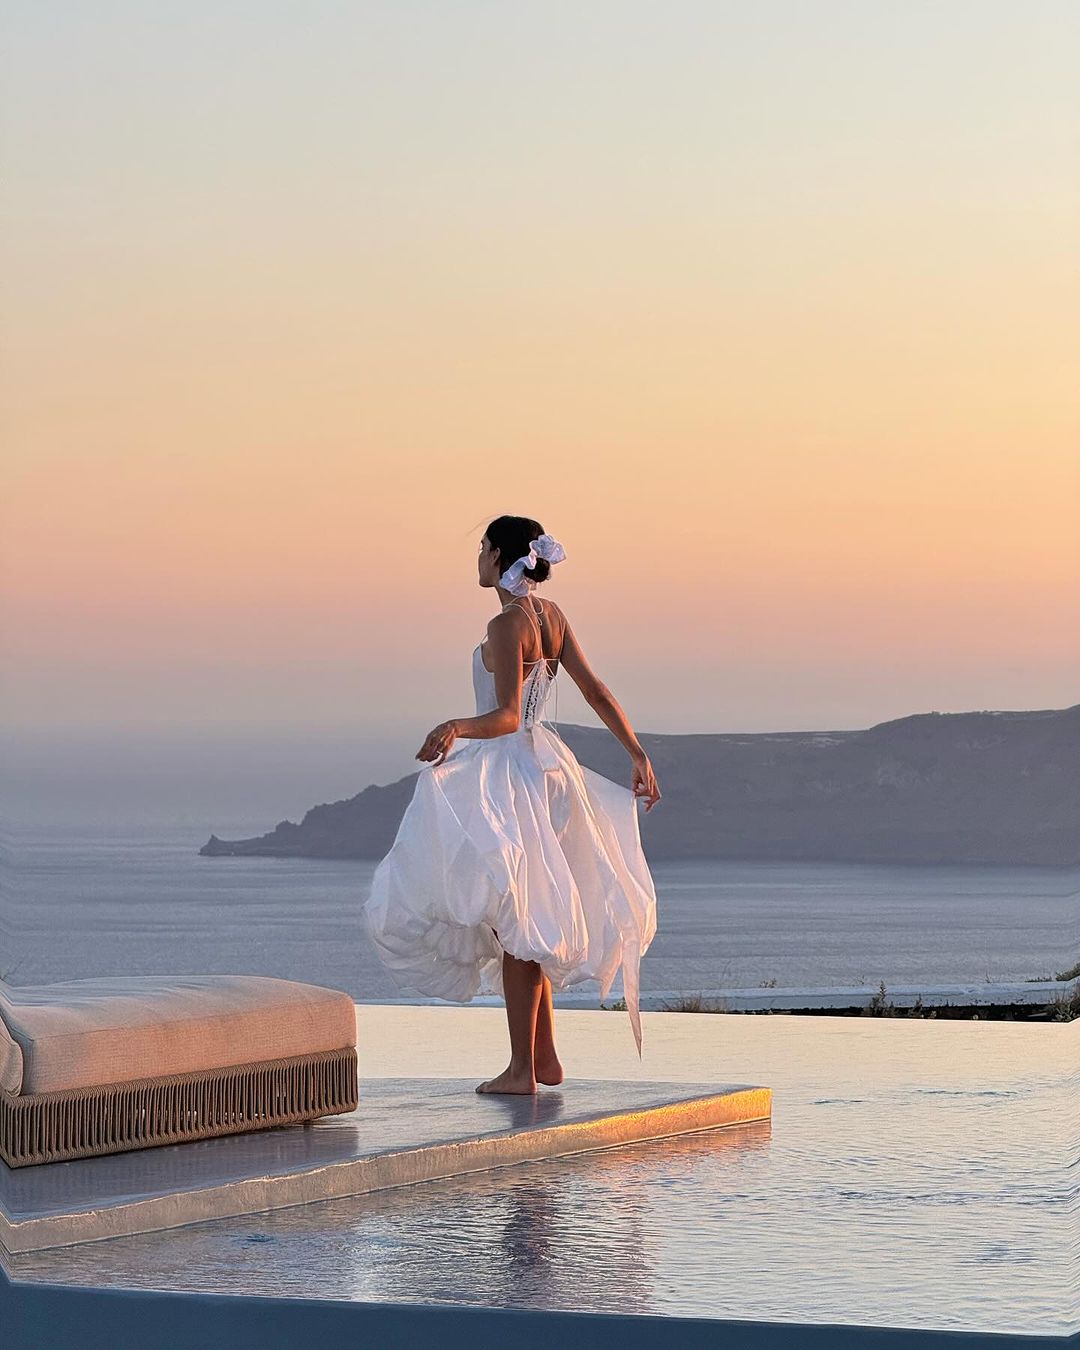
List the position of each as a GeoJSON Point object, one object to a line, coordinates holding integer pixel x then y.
{"type": "Point", "coordinates": [438, 743]}
{"type": "Point", "coordinates": [644, 782]}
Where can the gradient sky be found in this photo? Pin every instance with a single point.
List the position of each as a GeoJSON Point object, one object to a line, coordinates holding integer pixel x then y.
{"type": "Point", "coordinates": [768, 312]}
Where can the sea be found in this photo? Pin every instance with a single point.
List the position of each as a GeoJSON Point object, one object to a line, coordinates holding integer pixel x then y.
{"type": "Point", "coordinates": [82, 900]}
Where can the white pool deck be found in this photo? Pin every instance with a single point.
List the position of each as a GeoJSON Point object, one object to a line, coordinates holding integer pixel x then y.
{"type": "Point", "coordinates": [402, 1132]}
{"type": "Point", "coordinates": [406, 1129]}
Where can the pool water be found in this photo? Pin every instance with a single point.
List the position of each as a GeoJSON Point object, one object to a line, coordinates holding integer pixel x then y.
{"type": "Point", "coordinates": [914, 1174]}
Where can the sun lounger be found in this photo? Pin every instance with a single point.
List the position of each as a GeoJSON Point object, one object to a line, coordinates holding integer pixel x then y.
{"type": "Point", "coordinates": [100, 1066]}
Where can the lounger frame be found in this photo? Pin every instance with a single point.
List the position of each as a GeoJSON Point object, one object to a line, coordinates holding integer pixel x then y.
{"type": "Point", "coordinates": [117, 1117]}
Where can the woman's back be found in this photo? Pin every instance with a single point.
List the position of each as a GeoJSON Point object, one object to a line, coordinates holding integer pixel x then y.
{"type": "Point", "coordinates": [540, 662]}
{"type": "Point", "coordinates": [545, 636]}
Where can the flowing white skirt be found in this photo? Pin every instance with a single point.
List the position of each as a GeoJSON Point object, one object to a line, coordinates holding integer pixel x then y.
{"type": "Point", "coordinates": [513, 836]}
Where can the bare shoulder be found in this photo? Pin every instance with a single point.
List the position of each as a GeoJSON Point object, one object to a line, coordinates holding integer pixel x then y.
{"type": "Point", "coordinates": [508, 625]}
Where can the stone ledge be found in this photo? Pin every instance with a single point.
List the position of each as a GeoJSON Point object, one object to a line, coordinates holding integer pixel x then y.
{"type": "Point", "coordinates": [404, 1131]}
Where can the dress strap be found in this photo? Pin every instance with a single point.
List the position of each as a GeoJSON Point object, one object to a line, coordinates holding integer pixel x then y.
{"type": "Point", "coordinates": [528, 608]}
{"type": "Point", "coordinates": [539, 628]}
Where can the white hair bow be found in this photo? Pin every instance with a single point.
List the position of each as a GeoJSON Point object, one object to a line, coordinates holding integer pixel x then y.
{"type": "Point", "coordinates": [547, 547]}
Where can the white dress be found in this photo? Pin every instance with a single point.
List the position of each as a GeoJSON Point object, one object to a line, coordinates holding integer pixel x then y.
{"type": "Point", "coordinates": [513, 836]}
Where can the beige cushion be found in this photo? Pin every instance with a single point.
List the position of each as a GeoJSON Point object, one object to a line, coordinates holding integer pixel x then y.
{"type": "Point", "coordinates": [11, 1061]}
{"type": "Point", "coordinates": [86, 1033]}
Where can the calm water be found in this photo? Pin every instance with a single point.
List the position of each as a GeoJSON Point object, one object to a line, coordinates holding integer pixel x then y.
{"type": "Point", "coordinates": [913, 1174]}
{"type": "Point", "coordinates": [916, 1174]}
{"type": "Point", "coordinates": [100, 900]}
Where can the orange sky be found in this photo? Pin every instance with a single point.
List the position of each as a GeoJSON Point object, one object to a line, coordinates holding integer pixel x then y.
{"type": "Point", "coordinates": [786, 362]}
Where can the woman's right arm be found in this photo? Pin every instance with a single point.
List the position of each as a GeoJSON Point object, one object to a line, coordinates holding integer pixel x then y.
{"type": "Point", "coordinates": [603, 702]}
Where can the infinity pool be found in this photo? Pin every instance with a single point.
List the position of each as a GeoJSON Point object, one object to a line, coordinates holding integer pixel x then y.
{"type": "Point", "coordinates": [915, 1174]}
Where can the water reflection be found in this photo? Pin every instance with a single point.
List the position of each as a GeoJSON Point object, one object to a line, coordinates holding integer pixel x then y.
{"type": "Point", "coordinates": [590, 1230]}
{"type": "Point", "coordinates": [909, 1177]}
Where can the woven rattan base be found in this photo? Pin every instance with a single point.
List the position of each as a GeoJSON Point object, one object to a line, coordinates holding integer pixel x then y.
{"type": "Point", "coordinates": [88, 1122]}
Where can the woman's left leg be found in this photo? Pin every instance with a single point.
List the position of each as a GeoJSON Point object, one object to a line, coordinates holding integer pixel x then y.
{"type": "Point", "coordinates": [545, 1059]}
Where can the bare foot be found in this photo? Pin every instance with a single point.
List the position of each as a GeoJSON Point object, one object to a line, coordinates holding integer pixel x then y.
{"type": "Point", "coordinates": [510, 1081]}
{"type": "Point", "coordinates": [548, 1069]}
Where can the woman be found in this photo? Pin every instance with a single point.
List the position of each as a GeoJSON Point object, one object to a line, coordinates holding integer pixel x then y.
{"type": "Point", "coordinates": [515, 868]}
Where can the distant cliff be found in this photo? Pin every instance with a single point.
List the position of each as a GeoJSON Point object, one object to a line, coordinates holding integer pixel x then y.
{"type": "Point", "coordinates": [977, 787]}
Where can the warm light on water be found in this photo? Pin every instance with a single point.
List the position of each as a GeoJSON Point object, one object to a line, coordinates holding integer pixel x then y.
{"type": "Point", "coordinates": [913, 1174]}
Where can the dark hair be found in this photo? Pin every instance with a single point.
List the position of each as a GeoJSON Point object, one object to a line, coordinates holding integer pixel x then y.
{"type": "Point", "coordinates": [512, 535]}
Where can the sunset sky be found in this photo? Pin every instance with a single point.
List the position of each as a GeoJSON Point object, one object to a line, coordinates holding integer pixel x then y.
{"type": "Point", "coordinates": [768, 312]}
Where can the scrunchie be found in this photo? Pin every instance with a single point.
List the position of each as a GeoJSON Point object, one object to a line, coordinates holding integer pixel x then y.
{"type": "Point", "coordinates": [547, 547]}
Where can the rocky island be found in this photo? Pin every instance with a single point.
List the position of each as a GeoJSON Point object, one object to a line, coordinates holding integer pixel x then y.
{"type": "Point", "coordinates": [974, 787]}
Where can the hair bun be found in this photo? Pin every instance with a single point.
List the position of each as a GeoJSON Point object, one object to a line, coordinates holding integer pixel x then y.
{"type": "Point", "coordinates": [526, 542]}
{"type": "Point", "coordinates": [540, 571]}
